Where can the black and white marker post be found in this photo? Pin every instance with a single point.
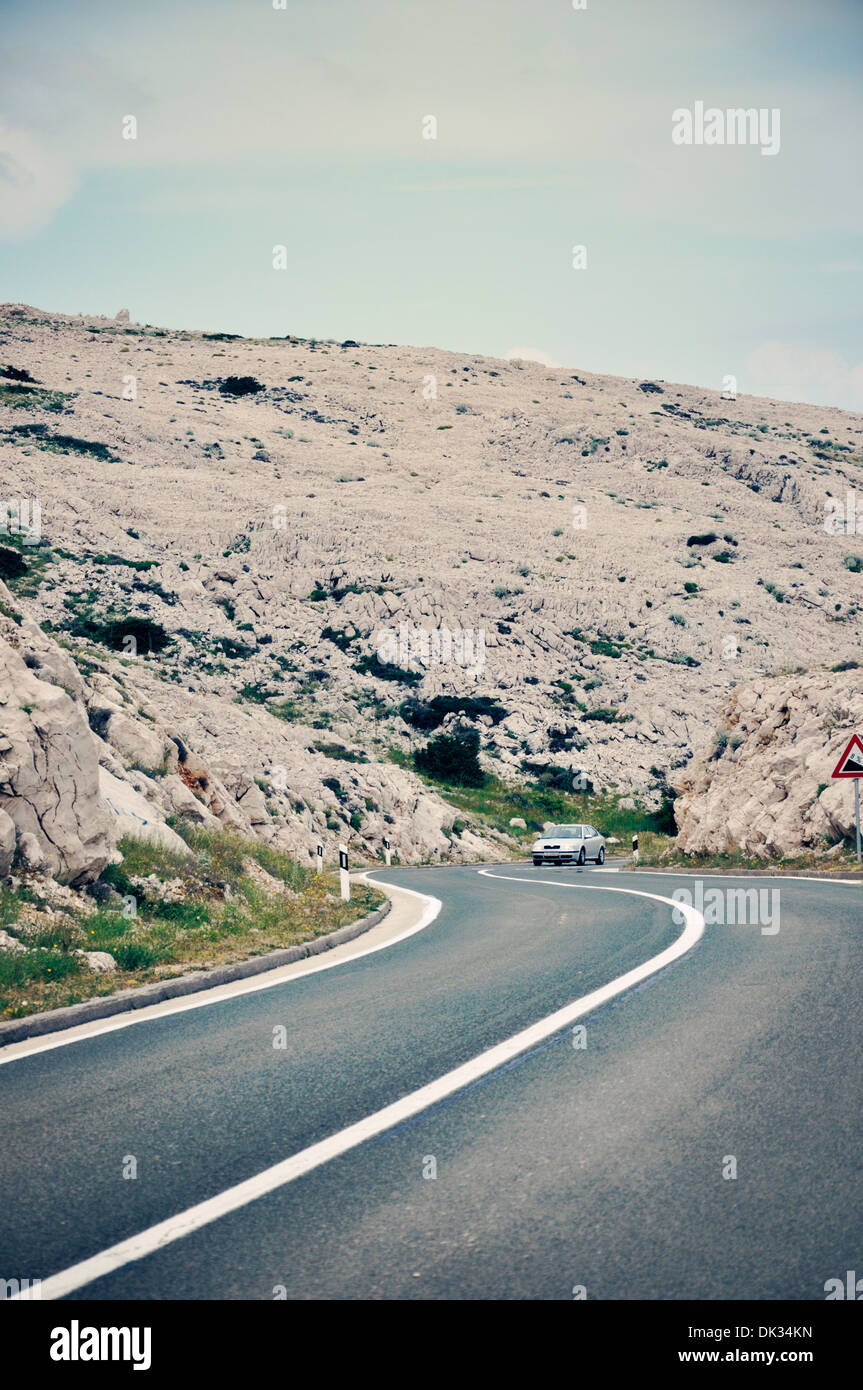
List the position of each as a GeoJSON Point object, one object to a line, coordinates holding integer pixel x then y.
{"type": "Point", "coordinates": [635, 848]}
{"type": "Point", "coordinates": [387, 851]}
{"type": "Point", "coordinates": [319, 862]}
{"type": "Point", "coordinates": [344, 881]}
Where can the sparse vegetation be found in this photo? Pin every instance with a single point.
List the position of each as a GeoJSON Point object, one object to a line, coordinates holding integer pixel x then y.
{"type": "Point", "coordinates": [216, 912]}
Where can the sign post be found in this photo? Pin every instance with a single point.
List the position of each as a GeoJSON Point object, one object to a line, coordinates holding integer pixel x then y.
{"type": "Point", "coordinates": [344, 881]}
{"type": "Point", "coordinates": [387, 851]}
{"type": "Point", "coordinates": [851, 765]}
{"type": "Point", "coordinates": [319, 863]}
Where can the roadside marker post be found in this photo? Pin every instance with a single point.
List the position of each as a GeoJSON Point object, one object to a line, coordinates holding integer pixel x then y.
{"type": "Point", "coordinates": [851, 765]}
{"type": "Point", "coordinates": [344, 881]}
{"type": "Point", "coordinates": [387, 851]}
{"type": "Point", "coordinates": [635, 848]}
{"type": "Point", "coordinates": [319, 863]}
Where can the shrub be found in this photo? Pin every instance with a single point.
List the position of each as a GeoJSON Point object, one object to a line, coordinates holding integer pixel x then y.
{"type": "Point", "coordinates": [339, 752]}
{"type": "Point", "coordinates": [452, 759]}
{"type": "Point", "coordinates": [430, 714]}
{"type": "Point", "coordinates": [240, 386]}
{"type": "Point", "coordinates": [64, 443]}
{"type": "Point", "coordinates": [148, 636]}
{"type": "Point", "coordinates": [12, 565]}
{"type": "Point", "coordinates": [384, 671]}
{"type": "Point", "coordinates": [133, 955]}
{"type": "Point", "coordinates": [605, 715]}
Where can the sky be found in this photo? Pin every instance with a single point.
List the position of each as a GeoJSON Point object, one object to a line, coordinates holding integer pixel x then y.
{"type": "Point", "coordinates": [300, 123]}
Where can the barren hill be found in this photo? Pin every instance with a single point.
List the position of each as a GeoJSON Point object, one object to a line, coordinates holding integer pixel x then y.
{"type": "Point", "coordinates": [286, 578]}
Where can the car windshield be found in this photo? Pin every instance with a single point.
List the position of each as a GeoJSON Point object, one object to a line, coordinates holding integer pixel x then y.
{"type": "Point", "coordinates": [563, 832]}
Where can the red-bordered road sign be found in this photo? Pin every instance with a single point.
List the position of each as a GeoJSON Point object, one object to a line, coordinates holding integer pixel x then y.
{"type": "Point", "coordinates": [851, 762]}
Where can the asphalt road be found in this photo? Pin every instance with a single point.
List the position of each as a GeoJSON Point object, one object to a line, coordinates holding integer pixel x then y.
{"type": "Point", "coordinates": [598, 1166]}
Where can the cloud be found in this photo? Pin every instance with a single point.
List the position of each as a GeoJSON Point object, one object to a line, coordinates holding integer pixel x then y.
{"type": "Point", "coordinates": [525, 354]}
{"type": "Point", "coordinates": [804, 372]}
{"type": "Point", "coordinates": [33, 182]}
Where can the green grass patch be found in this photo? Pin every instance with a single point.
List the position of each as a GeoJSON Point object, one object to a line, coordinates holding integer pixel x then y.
{"type": "Point", "coordinates": [41, 436]}
{"type": "Point", "coordinates": [224, 916]}
{"type": "Point", "coordinates": [17, 394]}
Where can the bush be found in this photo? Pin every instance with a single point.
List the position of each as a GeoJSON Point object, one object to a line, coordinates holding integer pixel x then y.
{"type": "Point", "coordinates": [12, 565]}
{"type": "Point", "coordinates": [606, 715]}
{"type": "Point", "coordinates": [240, 386]}
{"type": "Point", "coordinates": [132, 955]}
{"type": "Point", "coordinates": [452, 759]}
{"type": "Point", "coordinates": [431, 714]}
{"type": "Point", "coordinates": [65, 443]}
{"type": "Point", "coordinates": [148, 636]}
{"type": "Point", "coordinates": [371, 665]}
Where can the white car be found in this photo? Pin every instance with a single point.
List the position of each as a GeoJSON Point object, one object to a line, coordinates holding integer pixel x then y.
{"type": "Point", "coordinates": [569, 844]}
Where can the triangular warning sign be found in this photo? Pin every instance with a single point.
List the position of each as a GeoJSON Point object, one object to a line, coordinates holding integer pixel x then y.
{"type": "Point", "coordinates": [851, 762]}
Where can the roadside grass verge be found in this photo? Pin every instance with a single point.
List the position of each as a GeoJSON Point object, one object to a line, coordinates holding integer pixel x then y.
{"type": "Point", "coordinates": [661, 852]}
{"type": "Point", "coordinates": [210, 908]}
{"type": "Point", "coordinates": [492, 805]}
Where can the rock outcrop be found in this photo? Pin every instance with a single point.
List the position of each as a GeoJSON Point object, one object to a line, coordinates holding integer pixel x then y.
{"type": "Point", "coordinates": [49, 768]}
{"type": "Point", "coordinates": [764, 786]}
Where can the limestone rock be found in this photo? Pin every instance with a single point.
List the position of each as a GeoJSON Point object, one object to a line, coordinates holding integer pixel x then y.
{"type": "Point", "coordinates": [765, 785]}
{"type": "Point", "coordinates": [131, 814]}
{"type": "Point", "coordinates": [7, 843]}
{"type": "Point", "coordinates": [100, 962]}
{"type": "Point", "coordinates": [49, 769]}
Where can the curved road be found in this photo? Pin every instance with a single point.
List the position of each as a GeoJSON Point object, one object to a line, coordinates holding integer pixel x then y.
{"type": "Point", "coordinates": [604, 1166]}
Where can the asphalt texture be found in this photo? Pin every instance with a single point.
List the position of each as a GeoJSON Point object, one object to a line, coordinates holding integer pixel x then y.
{"type": "Point", "coordinates": [605, 1166]}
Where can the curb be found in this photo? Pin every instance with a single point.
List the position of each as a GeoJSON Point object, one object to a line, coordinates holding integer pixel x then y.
{"type": "Point", "coordinates": [55, 1020]}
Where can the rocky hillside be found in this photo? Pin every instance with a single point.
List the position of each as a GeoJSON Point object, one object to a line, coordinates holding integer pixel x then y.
{"type": "Point", "coordinates": [270, 570]}
{"type": "Point", "coordinates": [764, 786]}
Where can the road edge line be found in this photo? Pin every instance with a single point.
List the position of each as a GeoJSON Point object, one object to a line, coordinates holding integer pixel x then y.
{"type": "Point", "coordinates": [288, 1170]}
{"type": "Point", "coordinates": [203, 994]}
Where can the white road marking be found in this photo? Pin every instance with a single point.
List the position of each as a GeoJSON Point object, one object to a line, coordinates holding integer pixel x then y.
{"type": "Point", "coordinates": [220, 993]}
{"type": "Point", "coordinates": [744, 874]}
{"type": "Point", "coordinates": [176, 1227]}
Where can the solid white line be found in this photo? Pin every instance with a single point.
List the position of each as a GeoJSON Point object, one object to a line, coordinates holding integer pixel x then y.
{"type": "Point", "coordinates": [176, 1227]}
{"type": "Point", "coordinates": [745, 874]}
{"type": "Point", "coordinates": [166, 1008]}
